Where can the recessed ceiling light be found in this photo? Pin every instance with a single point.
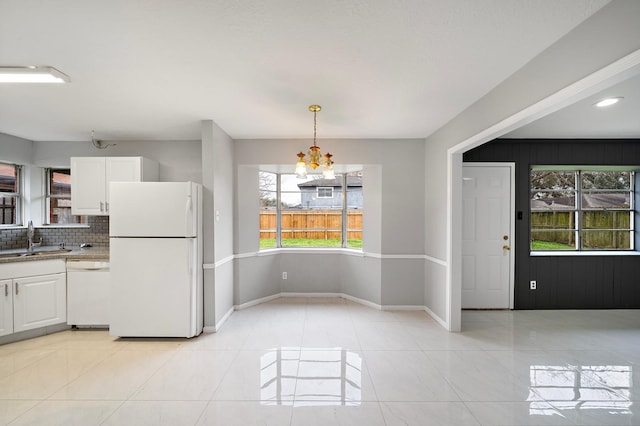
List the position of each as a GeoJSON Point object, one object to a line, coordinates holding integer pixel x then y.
{"type": "Point", "coordinates": [608, 102]}
{"type": "Point", "coordinates": [32, 74]}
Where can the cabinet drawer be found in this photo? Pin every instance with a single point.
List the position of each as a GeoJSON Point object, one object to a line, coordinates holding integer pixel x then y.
{"type": "Point", "coordinates": [31, 268]}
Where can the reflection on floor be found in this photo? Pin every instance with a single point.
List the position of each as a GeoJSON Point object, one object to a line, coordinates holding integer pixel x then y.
{"type": "Point", "coordinates": [587, 387]}
{"type": "Point", "coordinates": [319, 376]}
{"type": "Point", "coordinates": [322, 361]}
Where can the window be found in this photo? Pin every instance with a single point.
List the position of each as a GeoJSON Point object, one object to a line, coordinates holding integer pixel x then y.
{"type": "Point", "coordinates": [58, 196]}
{"type": "Point", "coordinates": [308, 212]}
{"type": "Point", "coordinates": [325, 192]}
{"type": "Point", "coordinates": [582, 209]}
{"type": "Point", "coordinates": [10, 194]}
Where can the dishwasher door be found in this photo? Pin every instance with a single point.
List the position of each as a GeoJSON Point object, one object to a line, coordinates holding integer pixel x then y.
{"type": "Point", "coordinates": [88, 293]}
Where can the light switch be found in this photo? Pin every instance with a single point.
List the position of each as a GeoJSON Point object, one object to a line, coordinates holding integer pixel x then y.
{"type": "Point", "coordinates": [217, 215]}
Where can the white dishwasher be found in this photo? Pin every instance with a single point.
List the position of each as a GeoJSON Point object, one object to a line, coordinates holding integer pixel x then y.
{"type": "Point", "coordinates": [88, 293]}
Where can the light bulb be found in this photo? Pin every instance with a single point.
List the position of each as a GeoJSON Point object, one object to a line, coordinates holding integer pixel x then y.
{"type": "Point", "coordinates": [301, 167]}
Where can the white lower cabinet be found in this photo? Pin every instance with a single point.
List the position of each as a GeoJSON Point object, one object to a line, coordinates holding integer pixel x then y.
{"type": "Point", "coordinates": [6, 307]}
{"type": "Point", "coordinates": [39, 301]}
{"type": "Point", "coordinates": [32, 301]}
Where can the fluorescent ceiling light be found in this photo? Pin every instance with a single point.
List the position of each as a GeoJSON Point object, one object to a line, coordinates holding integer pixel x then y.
{"type": "Point", "coordinates": [32, 75]}
{"type": "Point", "coordinates": [608, 102]}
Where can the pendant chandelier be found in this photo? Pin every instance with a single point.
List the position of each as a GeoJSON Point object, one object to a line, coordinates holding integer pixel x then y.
{"type": "Point", "coordinates": [316, 159]}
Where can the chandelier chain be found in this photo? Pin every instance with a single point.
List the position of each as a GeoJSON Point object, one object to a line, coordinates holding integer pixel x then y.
{"type": "Point", "coordinates": [314, 127]}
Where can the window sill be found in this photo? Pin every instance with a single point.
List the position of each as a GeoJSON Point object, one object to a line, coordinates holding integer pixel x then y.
{"type": "Point", "coordinates": [325, 250]}
{"type": "Point", "coordinates": [75, 225]}
{"type": "Point", "coordinates": [583, 253]}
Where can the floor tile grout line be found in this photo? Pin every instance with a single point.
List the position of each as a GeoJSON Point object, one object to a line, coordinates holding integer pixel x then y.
{"type": "Point", "coordinates": [492, 350]}
{"type": "Point", "coordinates": [26, 365]}
{"type": "Point", "coordinates": [113, 412]}
{"type": "Point", "coordinates": [141, 386]}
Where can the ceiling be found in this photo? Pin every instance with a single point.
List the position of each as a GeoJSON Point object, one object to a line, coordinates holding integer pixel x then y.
{"type": "Point", "coordinates": [153, 69]}
{"type": "Point", "coordinates": [583, 120]}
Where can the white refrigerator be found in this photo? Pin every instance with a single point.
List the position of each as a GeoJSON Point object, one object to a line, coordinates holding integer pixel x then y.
{"type": "Point", "coordinates": [155, 231]}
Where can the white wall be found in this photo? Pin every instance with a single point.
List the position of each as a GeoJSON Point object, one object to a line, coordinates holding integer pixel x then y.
{"type": "Point", "coordinates": [218, 219]}
{"type": "Point", "coordinates": [180, 161]}
{"type": "Point", "coordinates": [15, 150]}
{"type": "Point", "coordinates": [393, 195]}
{"type": "Point", "coordinates": [608, 35]}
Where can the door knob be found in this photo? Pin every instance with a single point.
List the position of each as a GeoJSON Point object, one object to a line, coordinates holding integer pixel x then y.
{"type": "Point", "coordinates": [506, 248]}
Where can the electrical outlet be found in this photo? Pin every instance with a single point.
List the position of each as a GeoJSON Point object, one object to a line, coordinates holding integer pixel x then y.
{"type": "Point", "coordinates": [533, 285]}
{"type": "Point", "coordinates": [284, 275]}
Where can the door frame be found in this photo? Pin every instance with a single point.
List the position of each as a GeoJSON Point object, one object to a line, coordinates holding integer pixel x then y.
{"type": "Point", "coordinates": [597, 80]}
{"type": "Point", "coordinates": [512, 214]}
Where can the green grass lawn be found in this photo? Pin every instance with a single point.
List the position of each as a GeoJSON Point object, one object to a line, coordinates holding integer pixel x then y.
{"type": "Point", "coordinates": [548, 245]}
{"type": "Point", "coordinates": [308, 242]}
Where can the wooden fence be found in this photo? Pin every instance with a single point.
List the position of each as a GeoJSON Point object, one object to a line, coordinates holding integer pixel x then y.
{"type": "Point", "coordinates": [543, 225]}
{"type": "Point", "coordinates": [311, 224]}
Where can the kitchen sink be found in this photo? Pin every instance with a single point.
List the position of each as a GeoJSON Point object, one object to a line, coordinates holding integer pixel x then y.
{"type": "Point", "coordinates": [9, 255]}
{"type": "Point", "coordinates": [40, 251]}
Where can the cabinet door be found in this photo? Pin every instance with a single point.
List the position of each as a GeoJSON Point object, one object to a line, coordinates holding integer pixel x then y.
{"type": "Point", "coordinates": [6, 307]}
{"type": "Point", "coordinates": [88, 186]}
{"type": "Point", "coordinates": [122, 169]}
{"type": "Point", "coordinates": [39, 301]}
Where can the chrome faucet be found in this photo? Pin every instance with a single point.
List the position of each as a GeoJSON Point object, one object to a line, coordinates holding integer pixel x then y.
{"type": "Point", "coordinates": [30, 234]}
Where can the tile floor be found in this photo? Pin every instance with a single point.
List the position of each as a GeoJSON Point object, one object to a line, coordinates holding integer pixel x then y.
{"type": "Point", "coordinates": [299, 361]}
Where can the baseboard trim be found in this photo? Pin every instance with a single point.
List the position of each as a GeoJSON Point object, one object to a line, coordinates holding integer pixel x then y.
{"type": "Point", "coordinates": [314, 295]}
{"type": "Point", "coordinates": [256, 302]}
{"type": "Point", "coordinates": [361, 301]}
{"type": "Point", "coordinates": [219, 324]}
{"type": "Point", "coordinates": [335, 295]}
{"type": "Point", "coordinates": [437, 318]}
{"type": "Point", "coordinates": [403, 308]}
{"type": "Point", "coordinates": [36, 332]}
{"type": "Point", "coordinates": [343, 296]}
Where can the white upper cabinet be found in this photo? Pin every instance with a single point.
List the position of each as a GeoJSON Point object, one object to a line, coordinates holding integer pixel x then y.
{"type": "Point", "coordinates": [91, 176]}
{"type": "Point", "coordinates": [88, 188]}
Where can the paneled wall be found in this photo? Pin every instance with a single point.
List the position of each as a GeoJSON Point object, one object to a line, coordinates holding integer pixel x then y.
{"type": "Point", "coordinates": [565, 282]}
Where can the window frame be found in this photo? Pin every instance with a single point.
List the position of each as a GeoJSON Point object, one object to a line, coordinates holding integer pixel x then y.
{"type": "Point", "coordinates": [578, 210]}
{"type": "Point", "coordinates": [279, 209]}
{"type": "Point", "coordinates": [324, 188]}
{"type": "Point", "coordinates": [18, 196]}
{"type": "Point", "coordinates": [48, 197]}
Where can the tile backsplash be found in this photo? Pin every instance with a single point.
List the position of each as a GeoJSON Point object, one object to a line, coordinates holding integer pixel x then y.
{"type": "Point", "coordinates": [97, 234]}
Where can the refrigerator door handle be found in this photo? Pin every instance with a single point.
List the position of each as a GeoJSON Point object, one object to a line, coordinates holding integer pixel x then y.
{"type": "Point", "coordinates": [190, 255]}
{"type": "Point", "coordinates": [188, 215]}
